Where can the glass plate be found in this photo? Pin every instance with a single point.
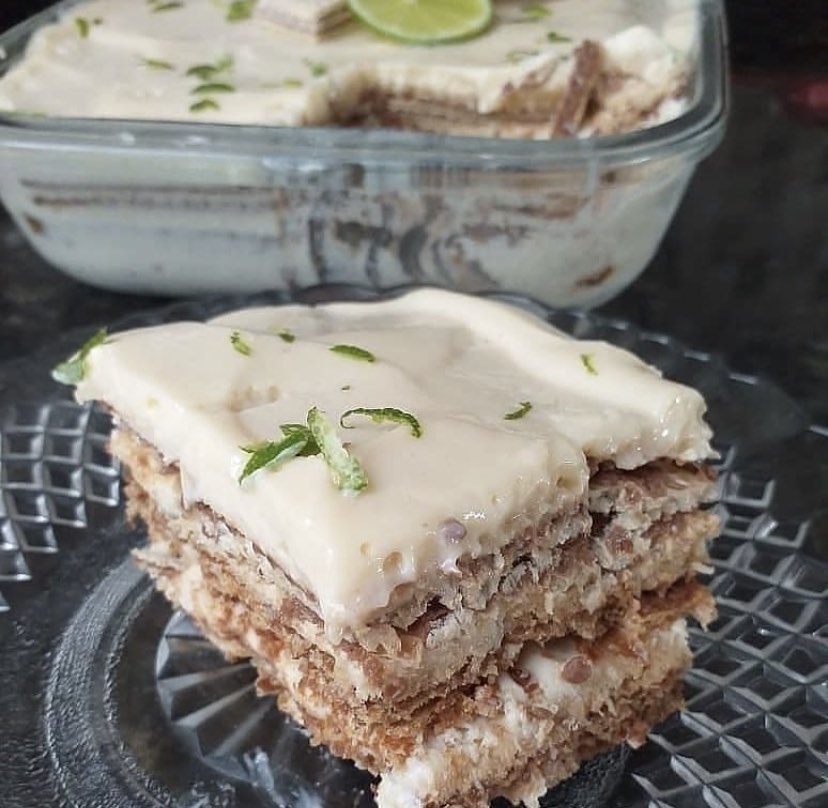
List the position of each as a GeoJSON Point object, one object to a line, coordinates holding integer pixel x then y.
{"type": "Point", "coordinates": [108, 699]}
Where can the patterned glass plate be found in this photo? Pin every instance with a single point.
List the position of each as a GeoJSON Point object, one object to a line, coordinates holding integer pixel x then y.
{"type": "Point", "coordinates": [109, 700]}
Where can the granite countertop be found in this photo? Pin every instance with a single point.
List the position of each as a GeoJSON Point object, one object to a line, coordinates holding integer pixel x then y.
{"type": "Point", "coordinates": [743, 270]}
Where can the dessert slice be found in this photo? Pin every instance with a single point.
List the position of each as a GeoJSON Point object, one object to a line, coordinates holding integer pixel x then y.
{"type": "Point", "coordinates": [387, 506]}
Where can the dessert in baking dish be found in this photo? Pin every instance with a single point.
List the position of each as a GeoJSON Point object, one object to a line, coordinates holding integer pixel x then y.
{"type": "Point", "coordinates": [155, 204]}
{"type": "Point", "coordinates": [458, 546]}
{"type": "Point", "coordinates": [554, 68]}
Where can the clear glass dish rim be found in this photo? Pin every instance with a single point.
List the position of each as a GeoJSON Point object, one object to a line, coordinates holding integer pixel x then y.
{"type": "Point", "coordinates": [694, 133]}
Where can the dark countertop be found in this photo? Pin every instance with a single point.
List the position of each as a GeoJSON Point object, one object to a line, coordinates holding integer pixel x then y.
{"type": "Point", "coordinates": [743, 270]}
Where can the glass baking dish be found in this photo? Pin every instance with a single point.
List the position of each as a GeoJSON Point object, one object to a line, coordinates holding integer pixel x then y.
{"type": "Point", "coordinates": [172, 208]}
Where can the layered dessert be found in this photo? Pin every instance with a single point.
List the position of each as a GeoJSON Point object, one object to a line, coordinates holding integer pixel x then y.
{"type": "Point", "coordinates": [458, 546]}
{"type": "Point", "coordinates": [538, 70]}
{"type": "Point", "coordinates": [312, 181]}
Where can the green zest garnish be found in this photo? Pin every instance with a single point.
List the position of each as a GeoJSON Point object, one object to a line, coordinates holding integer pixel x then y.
{"type": "Point", "coordinates": [380, 415]}
{"type": "Point", "coordinates": [286, 335]}
{"type": "Point", "coordinates": [157, 7]}
{"type": "Point", "coordinates": [588, 361]}
{"type": "Point", "coordinates": [346, 471]}
{"type": "Point", "coordinates": [157, 64]}
{"type": "Point", "coordinates": [205, 72]}
{"type": "Point", "coordinates": [519, 55]}
{"type": "Point", "coordinates": [213, 87]}
{"type": "Point", "coordinates": [239, 345]}
{"type": "Point", "coordinates": [290, 83]}
{"type": "Point", "coordinates": [554, 36]}
{"type": "Point", "coordinates": [240, 10]}
{"type": "Point", "coordinates": [83, 25]}
{"type": "Point", "coordinates": [354, 352]}
{"type": "Point", "coordinates": [318, 437]}
{"type": "Point", "coordinates": [523, 409]}
{"type": "Point", "coordinates": [272, 453]}
{"type": "Point", "coordinates": [210, 75]}
{"type": "Point", "coordinates": [73, 369]}
{"type": "Point", "coordinates": [205, 103]}
{"type": "Point", "coordinates": [536, 11]}
{"type": "Point", "coordinates": [316, 68]}
{"type": "Point", "coordinates": [301, 429]}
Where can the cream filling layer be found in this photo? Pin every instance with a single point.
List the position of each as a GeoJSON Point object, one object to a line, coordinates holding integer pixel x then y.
{"type": "Point", "coordinates": [127, 59]}
{"type": "Point", "coordinates": [457, 363]}
{"type": "Point", "coordinates": [494, 744]}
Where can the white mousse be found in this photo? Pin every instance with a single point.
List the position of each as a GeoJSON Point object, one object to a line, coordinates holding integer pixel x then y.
{"type": "Point", "coordinates": [134, 59]}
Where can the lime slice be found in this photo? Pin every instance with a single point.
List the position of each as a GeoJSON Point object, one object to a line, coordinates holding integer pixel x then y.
{"type": "Point", "coordinates": [424, 22]}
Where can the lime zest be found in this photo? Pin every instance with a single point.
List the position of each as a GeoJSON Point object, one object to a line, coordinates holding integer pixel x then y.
{"type": "Point", "coordinates": [240, 345]}
{"type": "Point", "coordinates": [156, 7]}
{"type": "Point", "coordinates": [272, 453]}
{"type": "Point", "coordinates": [82, 24]}
{"type": "Point", "coordinates": [317, 437]}
{"type": "Point", "coordinates": [289, 429]}
{"type": "Point", "coordinates": [205, 103]}
{"type": "Point", "coordinates": [588, 361]}
{"type": "Point", "coordinates": [380, 415]}
{"type": "Point", "coordinates": [213, 87]}
{"type": "Point", "coordinates": [206, 72]}
{"type": "Point", "coordinates": [157, 64]}
{"type": "Point", "coordinates": [554, 36]}
{"type": "Point", "coordinates": [425, 22]}
{"type": "Point", "coordinates": [73, 369]}
{"type": "Point", "coordinates": [536, 11]}
{"type": "Point", "coordinates": [346, 471]}
{"type": "Point", "coordinates": [520, 412]}
{"type": "Point", "coordinates": [317, 69]}
{"type": "Point", "coordinates": [239, 10]}
{"type": "Point", "coordinates": [293, 429]}
{"type": "Point", "coordinates": [353, 352]}
{"type": "Point", "coordinates": [286, 335]}
{"type": "Point", "coordinates": [203, 72]}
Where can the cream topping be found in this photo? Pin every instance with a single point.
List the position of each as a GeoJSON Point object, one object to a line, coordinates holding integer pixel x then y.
{"type": "Point", "coordinates": [457, 363]}
{"type": "Point", "coordinates": [128, 59]}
